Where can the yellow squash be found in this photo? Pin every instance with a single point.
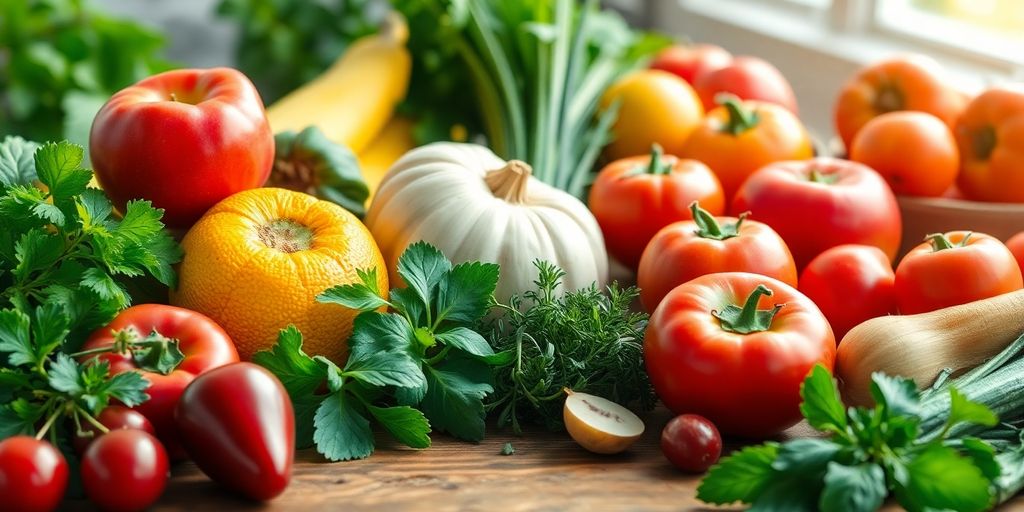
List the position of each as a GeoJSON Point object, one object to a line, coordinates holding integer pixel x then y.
{"type": "Point", "coordinates": [394, 140]}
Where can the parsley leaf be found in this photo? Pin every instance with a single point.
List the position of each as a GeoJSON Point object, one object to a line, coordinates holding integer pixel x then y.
{"type": "Point", "coordinates": [455, 393]}
{"type": "Point", "coordinates": [409, 426]}
{"type": "Point", "coordinates": [853, 488]}
{"type": "Point", "coordinates": [467, 340]}
{"type": "Point", "coordinates": [739, 477]}
{"type": "Point", "coordinates": [59, 168]}
{"type": "Point", "coordinates": [897, 396]}
{"type": "Point", "coordinates": [341, 433]}
{"type": "Point", "coordinates": [298, 372]}
{"type": "Point", "coordinates": [821, 403]}
{"type": "Point", "coordinates": [464, 295]}
{"type": "Point", "coordinates": [361, 296]}
{"type": "Point", "coordinates": [14, 338]}
{"type": "Point", "coordinates": [386, 369]}
{"type": "Point", "coordinates": [939, 478]}
{"type": "Point", "coordinates": [423, 266]}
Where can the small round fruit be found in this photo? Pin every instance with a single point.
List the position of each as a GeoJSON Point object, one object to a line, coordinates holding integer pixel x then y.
{"type": "Point", "coordinates": [114, 417]}
{"type": "Point", "coordinates": [1016, 245]}
{"type": "Point", "coordinates": [124, 470]}
{"type": "Point", "coordinates": [655, 107]}
{"type": "Point", "coordinates": [915, 152]}
{"type": "Point", "coordinates": [600, 425]}
{"type": "Point", "coordinates": [33, 474]}
{"type": "Point", "coordinates": [691, 443]}
{"type": "Point", "coordinates": [691, 61]}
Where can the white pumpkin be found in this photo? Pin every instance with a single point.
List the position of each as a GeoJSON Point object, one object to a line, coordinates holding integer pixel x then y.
{"type": "Point", "coordinates": [474, 206]}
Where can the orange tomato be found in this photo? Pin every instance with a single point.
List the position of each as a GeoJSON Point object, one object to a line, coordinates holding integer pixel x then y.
{"type": "Point", "coordinates": [655, 107]}
{"type": "Point", "coordinates": [1016, 245]}
{"type": "Point", "coordinates": [634, 197]}
{"type": "Point", "coordinates": [915, 152]}
{"type": "Point", "coordinates": [738, 138]}
{"type": "Point", "coordinates": [912, 82]}
{"type": "Point", "coordinates": [991, 137]}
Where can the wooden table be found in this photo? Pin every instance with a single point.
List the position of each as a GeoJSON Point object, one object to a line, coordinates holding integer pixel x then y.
{"type": "Point", "coordinates": [548, 472]}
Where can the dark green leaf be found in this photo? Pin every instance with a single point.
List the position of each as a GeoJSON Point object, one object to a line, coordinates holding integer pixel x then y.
{"type": "Point", "coordinates": [983, 455]}
{"type": "Point", "coordinates": [897, 395]}
{"type": "Point", "coordinates": [422, 267]}
{"type": "Point", "coordinates": [466, 340]}
{"type": "Point", "coordinates": [808, 457]}
{"type": "Point", "coordinates": [964, 410]}
{"type": "Point", "coordinates": [158, 353]}
{"type": "Point", "coordinates": [17, 166]}
{"type": "Point", "coordinates": [128, 387]}
{"type": "Point", "coordinates": [740, 477]}
{"type": "Point", "coordinates": [58, 166]}
{"type": "Point", "coordinates": [19, 417]}
{"type": "Point", "coordinates": [821, 404]}
{"type": "Point", "coordinates": [64, 375]}
{"type": "Point", "coordinates": [356, 296]}
{"type": "Point", "coordinates": [36, 251]}
{"type": "Point", "coordinates": [787, 493]}
{"type": "Point", "coordinates": [305, 407]}
{"type": "Point", "coordinates": [409, 426]}
{"type": "Point", "coordinates": [464, 296]}
{"type": "Point", "coordinates": [333, 167]}
{"type": "Point", "coordinates": [335, 381]}
{"type": "Point", "coordinates": [49, 329]}
{"type": "Point", "coordinates": [939, 478]}
{"type": "Point", "coordinates": [141, 222]}
{"type": "Point", "coordinates": [100, 282]}
{"type": "Point", "coordinates": [386, 369]}
{"type": "Point", "coordinates": [15, 340]}
{"type": "Point", "coordinates": [300, 375]}
{"type": "Point", "coordinates": [454, 400]}
{"type": "Point", "coordinates": [408, 303]}
{"type": "Point", "coordinates": [341, 432]}
{"type": "Point", "coordinates": [374, 332]}
{"type": "Point", "coordinates": [860, 488]}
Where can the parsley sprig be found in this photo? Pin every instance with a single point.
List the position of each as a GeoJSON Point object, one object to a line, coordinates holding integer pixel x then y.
{"type": "Point", "coordinates": [418, 366]}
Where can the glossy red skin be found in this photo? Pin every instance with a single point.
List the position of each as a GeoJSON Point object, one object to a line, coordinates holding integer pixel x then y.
{"type": "Point", "coordinates": [33, 475]}
{"type": "Point", "coordinates": [204, 343]}
{"type": "Point", "coordinates": [689, 62]}
{"type": "Point", "coordinates": [859, 208]}
{"type": "Point", "coordinates": [748, 385]}
{"type": "Point", "coordinates": [927, 280]}
{"type": "Point", "coordinates": [113, 417]}
{"type": "Point", "coordinates": [691, 443]}
{"type": "Point", "coordinates": [238, 426]}
{"type": "Point", "coordinates": [749, 78]}
{"type": "Point", "coordinates": [1016, 245]}
{"type": "Point", "coordinates": [631, 207]}
{"type": "Point", "coordinates": [850, 284]}
{"type": "Point", "coordinates": [677, 254]}
{"type": "Point", "coordinates": [125, 470]}
{"type": "Point", "coordinates": [184, 155]}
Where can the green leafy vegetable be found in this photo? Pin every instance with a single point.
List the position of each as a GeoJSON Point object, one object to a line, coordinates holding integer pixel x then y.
{"type": "Point", "coordinates": [587, 340]}
{"type": "Point", "coordinates": [308, 162]}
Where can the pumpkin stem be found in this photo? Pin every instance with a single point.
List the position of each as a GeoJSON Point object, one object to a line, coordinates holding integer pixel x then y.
{"type": "Point", "coordinates": [509, 182]}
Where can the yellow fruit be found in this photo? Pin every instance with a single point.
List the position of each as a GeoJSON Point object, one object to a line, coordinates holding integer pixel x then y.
{"type": "Point", "coordinates": [600, 425]}
{"type": "Point", "coordinates": [353, 100]}
{"type": "Point", "coordinates": [257, 260]}
{"type": "Point", "coordinates": [393, 141]}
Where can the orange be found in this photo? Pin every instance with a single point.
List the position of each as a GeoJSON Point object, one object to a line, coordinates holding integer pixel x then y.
{"type": "Point", "coordinates": [257, 260]}
{"type": "Point", "coordinates": [655, 107]}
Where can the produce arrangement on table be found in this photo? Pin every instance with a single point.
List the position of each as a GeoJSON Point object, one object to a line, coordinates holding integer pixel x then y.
{"type": "Point", "coordinates": [380, 251]}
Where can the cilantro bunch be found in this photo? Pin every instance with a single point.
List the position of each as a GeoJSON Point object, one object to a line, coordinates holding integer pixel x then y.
{"type": "Point", "coordinates": [912, 445]}
{"type": "Point", "coordinates": [417, 366]}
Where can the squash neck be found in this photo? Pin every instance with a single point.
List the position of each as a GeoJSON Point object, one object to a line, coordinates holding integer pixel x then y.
{"type": "Point", "coordinates": [509, 182]}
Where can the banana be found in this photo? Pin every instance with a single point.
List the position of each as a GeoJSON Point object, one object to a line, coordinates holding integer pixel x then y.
{"type": "Point", "coordinates": [353, 100]}
{"type": "Point", "coordinates": [393, 141]}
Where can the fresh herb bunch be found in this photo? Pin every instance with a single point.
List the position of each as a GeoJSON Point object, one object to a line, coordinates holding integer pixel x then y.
{"type": "Point", "coordinates": [63, 245]}
{"type": "Point", "coordinates": [417, 366]}
{"type": "Point", "coordinates": [588, 340]}
{"type": "Point", "coordinates": [284, 44]}
{"type": "Point", "coordinates": [61, 60]}
{"type": "Point", "coordinates": [913, 445]}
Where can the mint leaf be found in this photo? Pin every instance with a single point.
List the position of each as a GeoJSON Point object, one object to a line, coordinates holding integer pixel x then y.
{"type": "Point", "coordinates": [455, 392]}
{"type": "Point", "coordinates": [409, 426]}
{"type": "Point", "coordinates": [374, 332]}
{"type": "Point", "coordinates": [422, 266]}
{"type": "Point", "coordinates": [362, 296]}
{"type": "Point", "coordinates": [859, 488]}
{"type": "Point", "coordinates": [821, 404]}
{"type": "Point", "coordinates": [464, 296]}
{"type": "Point", "coordinates": [300, 375]}
{"type": "Point", "coordinates": [17, 165]}
{"type": "Point", "coordinates": [58, 166]}
{"type": "Point", "coordinates": [14, 338]}
{"type": "Point", "coordinates": [939, 478]}
{"type": "Point", "coordinates": [740, 477]}
{"type": "Point", "coordinates": [341, 433]}
{"type": "Point", "coordinates": [964, 410]}
{"type": "Point", "coordinates": [466, 340]}
{"type": "Point", "coordinates": [386, 369]}
{"type": "Point", "coordinates": [897, 396]}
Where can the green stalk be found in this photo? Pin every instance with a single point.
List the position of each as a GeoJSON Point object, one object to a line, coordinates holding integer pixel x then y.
{"type": "Point", "coordinates": [489, 100]}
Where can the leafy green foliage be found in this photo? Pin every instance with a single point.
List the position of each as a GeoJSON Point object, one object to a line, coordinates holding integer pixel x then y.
{"type": "Point", "coordinates": [871, 452]}
{"type": "Point", "coordinates": [308, 162]}
{"type": "Point", "coordinates": [587, 340]}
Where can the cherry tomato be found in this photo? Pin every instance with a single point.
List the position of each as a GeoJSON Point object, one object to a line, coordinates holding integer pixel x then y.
{"type": "Point", "coordinates": [913, 82]}
{"type": "Point", "coordinates": [691, 443]}
{"type": "Point", "coordinates": [748, 78]}
{"type": "Point", "coordinates": [991, 137]}
{"type": "Point", "coordinates": [125, 470]}
{"type": "Point", "coordinates": [635, 197]}
{"type": "Point", "coordinates": [33, 475]}
{"type": "Point", "coordinates": [690, 62]}
{"type": "Point", "coordinates": [687, 250]}
{"type": "Point", "coordinates": [738, 138]}
{"type": "Point", "coordinates": [113, 417]}
{"type": "Point", "coordinates": [818, 204]}
{"type": "Point", "coordinates": [655, 107]}
{"type": "Point", "coordinates": [1016, 245]}
{"type": "Point", "coordinates": [850, 284]}
{"type": "Point", "coordinates": [954, 268]}
{"type": "Point", "coordinates": [735, 347]}
{"type": "Point", "coordinates": [915, 152]}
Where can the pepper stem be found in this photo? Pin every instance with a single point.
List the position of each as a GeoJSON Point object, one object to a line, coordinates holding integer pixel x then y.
{"type": "Point", "coordinates": [941, 242]}
{"type": "Point", "coordinates": [708, 226]}
{"type": "Point", "coordinates": [741, 119]}
{"type": "Point", "coordinates": [748, 319]}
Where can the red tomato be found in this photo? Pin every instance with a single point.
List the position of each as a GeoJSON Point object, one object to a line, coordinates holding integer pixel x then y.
{"type": "Point", "coordinates": [183, 139]}
{"type": "Point", "coordinates": [691, 443]}
{"type": "Point", "coordinates": [690, 62]}
{"type": "Point", "coordinates": [915, 152]}
{"type": "Point", "coordinates": [113, 417]}
{"type": "Point", "coordinates": [634, 197]}
{"type": "Point", "coordinates": [689, 249]}
{"type": "Point", "coordinates": [821, 203]}
{"type": "Point", "coordinates": [238, 425]}
{"type": "Point", "coordinates": [124, 470]}
{"type": "Point", "coordinates": [749, 78]}
{"type": "Point", "coordinates": [1016, 245]}
{"type": "Point", "coordinates": [735, 347]}
{"type": "Point", "coordinates": [850, 284]}
{"type": "Point", "coordinates": [954, 268]}
{"type": "Point", "coordinates": [203, 342]}
{"type": "Point", "coordinates": [33, 475]}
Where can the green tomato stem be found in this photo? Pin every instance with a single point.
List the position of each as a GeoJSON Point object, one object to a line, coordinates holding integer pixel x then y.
{"type": "Point", "coordinates": [748, 319]}
{"type": "Point", "coordinates": [940, 242]}
{"type": "Point", "coordinates": [657, 166]}
{"type": "Point", "coordinates": [708, 226]}
{"type": "Point", "coordinates": [741, 119]}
